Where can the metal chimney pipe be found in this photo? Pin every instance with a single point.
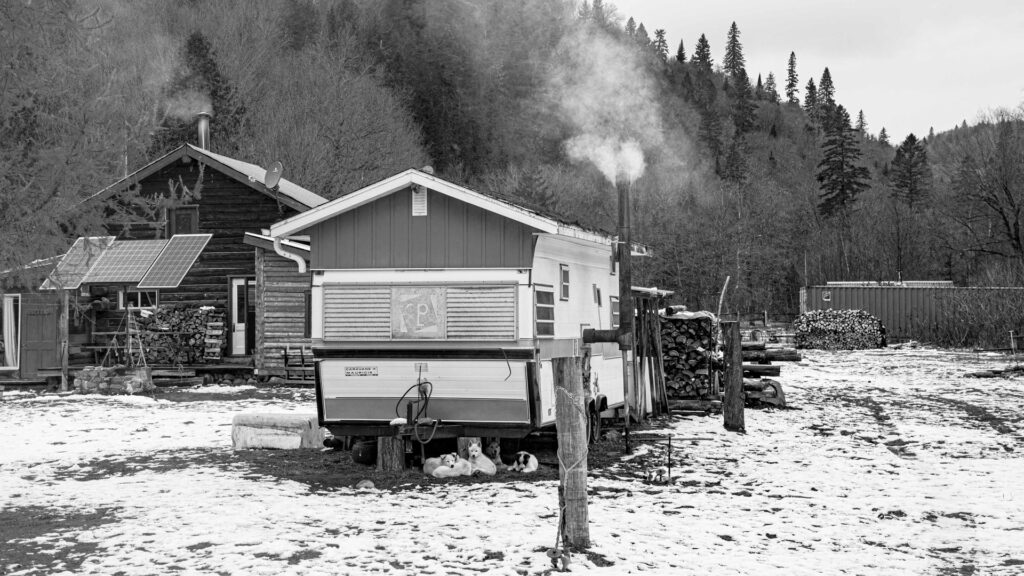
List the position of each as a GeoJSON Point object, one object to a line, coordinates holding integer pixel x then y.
{"type": "Point", "coordinates": [626, 309]}
{"type": "Point", "coordinates": [203, 126]}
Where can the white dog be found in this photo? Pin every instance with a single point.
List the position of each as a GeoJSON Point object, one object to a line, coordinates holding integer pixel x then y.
{"type": "Point", "coordinates": [478, 461]}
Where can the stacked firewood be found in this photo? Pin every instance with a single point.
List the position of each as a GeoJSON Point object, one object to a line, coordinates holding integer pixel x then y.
{"type": "Point", "coordinates": [175, 334]}
{"type": "Point", "coordinates": [838, 330]}
{"type": "Point", "coordinates": [688, 349]}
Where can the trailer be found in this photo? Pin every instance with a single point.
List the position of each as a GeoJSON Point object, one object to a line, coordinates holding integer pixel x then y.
{"type": "Point", "coordinates": [443, 306]}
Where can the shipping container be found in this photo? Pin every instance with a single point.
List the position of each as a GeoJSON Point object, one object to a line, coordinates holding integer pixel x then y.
{"type": "Point", "coordinates": [905, 309]}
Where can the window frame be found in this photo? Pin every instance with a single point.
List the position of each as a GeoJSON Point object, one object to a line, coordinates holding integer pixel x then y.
{"type": "Point", "coordinates": [172, 219]}
{"type": "Point", "coordinates": [18, 300]}
{"type": "Point", "coordinates": [122, 299]}
{"type": "Point", "coordinates": [563, 282]}
{"type": "Point", "coordinates": [537, 321]}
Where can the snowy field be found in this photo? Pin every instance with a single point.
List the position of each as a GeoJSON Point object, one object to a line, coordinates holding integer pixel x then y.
{"type": "Point", "coordinates": [890, 463]}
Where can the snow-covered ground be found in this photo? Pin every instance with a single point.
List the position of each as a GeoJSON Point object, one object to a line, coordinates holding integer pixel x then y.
{"type": "Point", "coordinates": [891, 463]}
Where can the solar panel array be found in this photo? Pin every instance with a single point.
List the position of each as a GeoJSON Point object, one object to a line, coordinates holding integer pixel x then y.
{"type": "Point", "coordinates": [77, 262]}
{"type": "Point", "coordinates": [174, 262]}
{"type": "Point", "coordinates": [126, 262]}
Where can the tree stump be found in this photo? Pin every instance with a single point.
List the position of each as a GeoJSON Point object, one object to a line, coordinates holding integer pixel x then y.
{"type": "Point", "coordinates": [571, 422]}
{"type": "Point", "coordinates": [390, 453]}
{"type": "Point", "coordinates": [732, 402]}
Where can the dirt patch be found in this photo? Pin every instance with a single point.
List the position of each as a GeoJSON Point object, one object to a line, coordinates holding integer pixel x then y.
{"type": "Point", "coordinates": [22, 526]}
{"type": "Point", "coordinates": [978, 414]}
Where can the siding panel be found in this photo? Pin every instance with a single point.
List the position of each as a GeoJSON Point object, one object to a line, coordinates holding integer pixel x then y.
{"type": "Point", "coordinates": [453, 234]}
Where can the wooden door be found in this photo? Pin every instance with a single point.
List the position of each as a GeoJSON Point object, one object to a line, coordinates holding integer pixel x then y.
{"type": "Point", "coordinates": [40, 346]}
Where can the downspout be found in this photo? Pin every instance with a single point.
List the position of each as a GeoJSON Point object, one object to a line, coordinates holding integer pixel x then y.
{"type": "Point", "coordinates": [280, 251]}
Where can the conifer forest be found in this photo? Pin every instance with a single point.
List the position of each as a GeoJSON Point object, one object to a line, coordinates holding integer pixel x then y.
{"type": "Point", "coordinates": [770, 177]}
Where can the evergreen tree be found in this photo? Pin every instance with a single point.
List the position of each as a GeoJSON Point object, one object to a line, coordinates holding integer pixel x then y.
{"type": "Point", "coordinates": [931, 133]}
{"type": "Point", "coordinates": [840, 177]}
{"type": "Point", "coordinates": [862, 124]}
{"type": "Point", "coordinates": [826, 92]}
{"type": "Point", "coordinates": [686, 86]}
{"type": "Point", "coordinates": [811, 100]}
{"type": "Point", "coordinates": [702, 56]}
{"type": "Point", "coordinates": [743, 105]}
{"type": "Point", "coordinates": [535, 188]}
{"type": "Point", "coordinates": [642, 38]}
{"type": "Point", "coordinates": [733, 61]}
{"type": "Point", "coordinates": [759, 89]}
{"type": "Point", "coordinates": [770, 91]}
{"type": "Point", "coordinates": [911, 175]}
{"type": "Point", "coordinates": [631, 27]}
{"type": "Point", "coordinates": [200, 78]}
{"type": "Point", "coordinates": [681, 53]}
{"type": "Point", "coordinates": [705, 92]}
{"type": "Point", "coordinates": [791, 80]}
{"type": "Point", "coordinates": [585, 12]}
{"type": "Point", "coordinates": [660, 44]}
{"type": "Point", "coordinates": [710, 133]}
{"type": "Point", "coordinates": [735, 166]}
{"type": "Point", "coordinates": [883, 137]}
{"type": "Point", "coordinates": [598, 15]}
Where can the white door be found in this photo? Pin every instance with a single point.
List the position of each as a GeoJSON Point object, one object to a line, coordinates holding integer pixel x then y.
{"type": "Point", "coordinates": [243, 306]}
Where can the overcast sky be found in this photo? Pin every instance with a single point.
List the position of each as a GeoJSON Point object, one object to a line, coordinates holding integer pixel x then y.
{"type": "Point", "coordinates": [909, 65]}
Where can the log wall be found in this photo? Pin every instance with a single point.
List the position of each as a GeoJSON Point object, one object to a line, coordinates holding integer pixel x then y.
{"type": "Point", "coordinates": [281, 304]}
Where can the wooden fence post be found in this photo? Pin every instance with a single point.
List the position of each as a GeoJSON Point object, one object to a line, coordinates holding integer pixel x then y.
{"type": "Point", "coordinates": [64, 347]}
{"type": "Point", "coordinates": [732, 403]}
{"type": "Point", "coordinates": [571, 422]}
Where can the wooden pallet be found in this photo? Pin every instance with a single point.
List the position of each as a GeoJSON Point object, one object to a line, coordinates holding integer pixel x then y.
{"type": "Point", "coordinates": [298, 364]}
{"type": "Point", "coordinates": [214, 340]}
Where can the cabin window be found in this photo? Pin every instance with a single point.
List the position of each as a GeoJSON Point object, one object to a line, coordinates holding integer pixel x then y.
{"type": "Point", "coordinates": [545, 312]}
{"type": "Point", "coordinates": [10, 331]}
{"type": "Point", "coordinates": [138, 299]}
{"type": "Point", "coordinates": [613, 306]}
{"type": "Point", "coordinates": [183, 220]}
{"type": "Point", "coordinates": [564, 281]}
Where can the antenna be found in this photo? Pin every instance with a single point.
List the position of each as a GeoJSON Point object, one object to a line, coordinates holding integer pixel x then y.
{"type": "Point", "coordinates": [273, 176]}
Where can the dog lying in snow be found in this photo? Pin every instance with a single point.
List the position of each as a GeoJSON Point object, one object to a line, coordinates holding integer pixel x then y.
{"type": "Point", "coordinates": [525, 462]}
{"type": "Point", "coordinates": [447, 466]}
{"type": "Point", "coordinates": [479, 462]}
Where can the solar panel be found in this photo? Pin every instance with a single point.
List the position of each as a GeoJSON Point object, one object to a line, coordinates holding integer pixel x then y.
{"type": "Point", "coordinates": [126, 262]}
{"type": "Point", "coordinates": [175, 261]}
{"type": "Point", "coordinates": [77, 262]}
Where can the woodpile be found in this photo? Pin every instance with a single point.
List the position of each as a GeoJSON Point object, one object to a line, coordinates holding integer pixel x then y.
{"type": "Point", "coordinates": [176, 335]}
{"type": "Point", "coordinates": [839, 330]}
{"type": "Point", "coordinates": [688, 348]}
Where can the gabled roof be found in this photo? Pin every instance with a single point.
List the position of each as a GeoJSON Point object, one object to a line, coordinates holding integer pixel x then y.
{"type": "Point", "coordinates": [288, 193]}
{"type": "Point", "coordinates": [412, 177]}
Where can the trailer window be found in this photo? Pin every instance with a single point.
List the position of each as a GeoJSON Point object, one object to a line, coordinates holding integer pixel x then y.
{"type": "Point", "coordinates": [545, 312]}
{"type": "Point", "coordinates": [613, 305]}
{"type": "Point", "coordinates": [564, 279]}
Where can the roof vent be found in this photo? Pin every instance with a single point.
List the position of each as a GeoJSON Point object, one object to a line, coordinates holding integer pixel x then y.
{"type": "Point", "coordinates": [427, 170]}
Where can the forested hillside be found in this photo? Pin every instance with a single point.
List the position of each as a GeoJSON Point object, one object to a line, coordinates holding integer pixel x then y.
{"type": "Point", "coordinates": [767, 176]}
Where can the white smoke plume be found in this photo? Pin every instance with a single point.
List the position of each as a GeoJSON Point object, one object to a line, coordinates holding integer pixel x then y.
{"type": "Point", "coordinates": [186, 104]}
{"type": "Point", "coordinates": [602, 88]}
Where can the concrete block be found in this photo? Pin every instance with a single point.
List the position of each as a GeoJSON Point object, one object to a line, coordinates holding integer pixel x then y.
{"type": "Point", "coordinates": [276, 431]}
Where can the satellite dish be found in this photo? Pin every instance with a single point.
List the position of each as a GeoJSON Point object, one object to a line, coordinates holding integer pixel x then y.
{"type": "Point", "coordinates": [273, 176]}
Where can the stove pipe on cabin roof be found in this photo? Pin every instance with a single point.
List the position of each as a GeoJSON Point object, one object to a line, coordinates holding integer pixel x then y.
{"type": "Point", "coordinates": [204, 129]}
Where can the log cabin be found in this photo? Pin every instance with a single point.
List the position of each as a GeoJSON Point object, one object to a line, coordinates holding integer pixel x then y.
{"type": "Point", "coordinates": [428, 295]}
{"type": "Point", "coordinates": [189, 191]}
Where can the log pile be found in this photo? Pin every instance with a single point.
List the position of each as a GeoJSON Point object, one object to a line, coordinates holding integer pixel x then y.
{"type": "Point", "coordinates": [839, 330]}
{"type": "Point", "coordinates": [176, 334]}
{"type": "Point", "coordinates": [688, 348]}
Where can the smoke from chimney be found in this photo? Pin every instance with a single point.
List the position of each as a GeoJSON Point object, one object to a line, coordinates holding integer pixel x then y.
{"type": "Point", "coordinates": [203, 126]}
